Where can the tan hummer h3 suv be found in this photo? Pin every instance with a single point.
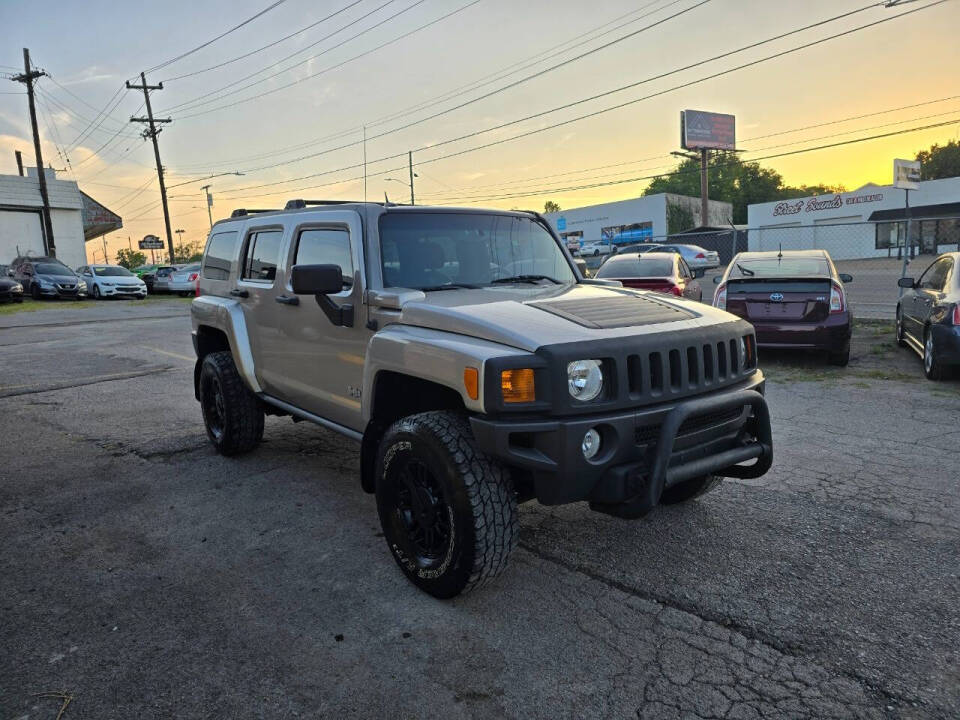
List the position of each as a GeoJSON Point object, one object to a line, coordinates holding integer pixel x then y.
{"type": "Point", "coordinates": [475, 366]}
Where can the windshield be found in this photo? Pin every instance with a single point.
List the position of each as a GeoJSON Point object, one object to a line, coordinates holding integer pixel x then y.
{"type": "Point", "coordinates": [780, 267]}
{"type": "Point", "coordinates": [432, 250]}
{"type": "Point", "coordinates": [636, 266]}
{"type": "Point", "coordinates": [52, 269]}
{"type": "Point", "coordinates": [111, 271]}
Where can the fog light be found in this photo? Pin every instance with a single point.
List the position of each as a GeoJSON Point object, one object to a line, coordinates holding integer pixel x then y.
{"type": "Point", "coordinates": [591, 443]}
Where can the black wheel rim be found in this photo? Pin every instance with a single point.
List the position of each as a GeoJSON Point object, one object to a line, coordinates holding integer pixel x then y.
{"type": "Point", "coordinates": [213, 410]}
{"type": "Point", "coordinates": [422, 516]}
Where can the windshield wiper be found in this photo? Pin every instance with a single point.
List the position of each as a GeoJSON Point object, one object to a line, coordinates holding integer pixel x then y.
{"type": "Point", "coordinates": [525, 278]}
{"type": "Point", "coordinates": [745, 271]}
{"type": "Point", "coordinates": [448, 286]}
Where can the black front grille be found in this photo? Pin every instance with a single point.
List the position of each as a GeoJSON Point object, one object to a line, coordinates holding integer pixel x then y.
{"type": "Point", "coordinates": [679, 369]}
{"type": "Point", "coordinates": [650, 433]}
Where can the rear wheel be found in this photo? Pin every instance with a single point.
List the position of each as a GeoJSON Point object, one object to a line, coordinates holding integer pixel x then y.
{"type": "Point", "coordinates": [689, 489]}
{"type": "Point", "coordinates": [448, 512]}
{"type": "Point", "coordinates": [841, 358]}
{"type": "Point", "coordinates": [232, 414]}
{"type": "Point", "coordinates": [931, 366]}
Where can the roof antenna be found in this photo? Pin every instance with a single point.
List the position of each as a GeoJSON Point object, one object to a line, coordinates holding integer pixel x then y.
{"type": "Point", "coordinates": [386, 200]}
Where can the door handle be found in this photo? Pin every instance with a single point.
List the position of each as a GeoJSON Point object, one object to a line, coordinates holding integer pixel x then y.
{"type": "Point", "coordinates": [287, 299]}
{"type": "Point", "coordinates": [237, 292]}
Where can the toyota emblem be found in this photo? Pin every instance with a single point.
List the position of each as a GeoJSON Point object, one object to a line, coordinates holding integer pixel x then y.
{"type": "Point", "coordinates": [776, 297]}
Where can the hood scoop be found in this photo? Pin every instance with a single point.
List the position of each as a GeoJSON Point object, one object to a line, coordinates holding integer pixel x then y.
{"type": "Point", "coordinates": [614, 311]}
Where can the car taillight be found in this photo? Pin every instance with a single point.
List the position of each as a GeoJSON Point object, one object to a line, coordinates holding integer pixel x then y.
{"type": "Point", "coordinates": [956, 314]}
{"type": "Point", "coordinates": [193, 276]}
{"type": "Point", "coordinates": [701, 256]}
{"type": "Point", "coordinates": [720, 299]}
{"type": "Point", "coordinates": [675, 289]}
{"type": "Point", "coordinates": [837, 301]}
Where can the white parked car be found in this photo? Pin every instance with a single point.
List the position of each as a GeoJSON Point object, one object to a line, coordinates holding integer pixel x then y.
{"type": "Point", "coordinates": [595, 248]}
{"type": "Point", "coordinates": [184, 280]}
{"type": "Point", "coordinates": [111, 281]}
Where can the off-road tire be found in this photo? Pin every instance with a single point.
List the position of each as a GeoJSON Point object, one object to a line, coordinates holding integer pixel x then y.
{"type": "Point", "coordinates": [476, 494]}
{"type": "Point", "coordinates": [689, 489]}
{"type": "Point", "coordinates": [241, 427]}
{"type": "Point", "coordinates": [901, 341]}
{"type": "Point", "coordinates": [932, 368]}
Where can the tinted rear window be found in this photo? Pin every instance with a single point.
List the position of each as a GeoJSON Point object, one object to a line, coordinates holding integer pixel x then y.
{"type": "Point", "coordinates": [784, 267]}
{"type": "Point", "coordinates": [220, 251]}
{"type": "Point", "coordinates": [636, 266]}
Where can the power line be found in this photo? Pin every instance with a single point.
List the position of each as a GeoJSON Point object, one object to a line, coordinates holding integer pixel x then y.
{"type": "Point", "coordinates": [697, 170]}
{"type": "Point", "coordinates": [455, 92]}
{"type": "Point", "coordinates": [218, 37]}
{"type": "Point", "coordinates": [328, 69]}
{"type": "Point", "coordinates": [609, 92]}
{"type": "Point", "coordinates": [77, 97]}
{"type": "Point", "coordinates": [264, 47]}
{"type": "Point", "coordinates": [339, 30]}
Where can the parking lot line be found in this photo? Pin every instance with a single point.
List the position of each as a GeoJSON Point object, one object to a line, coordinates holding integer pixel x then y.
{"type": "Point", "coordinates": [167, 352]}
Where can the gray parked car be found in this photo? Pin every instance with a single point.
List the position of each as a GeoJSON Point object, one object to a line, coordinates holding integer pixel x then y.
{"type": "Point", "coordinates": [47, 277]}
{"type": "Point", "coordinates": [183, 281]}
{"type": "Point", "coordinates": [469, 384]}
{"type": "Point", "coordinates": [928, 315]}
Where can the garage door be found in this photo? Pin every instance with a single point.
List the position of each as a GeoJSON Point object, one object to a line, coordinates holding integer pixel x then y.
{"type": "Point", "coordinates": [20, 233]}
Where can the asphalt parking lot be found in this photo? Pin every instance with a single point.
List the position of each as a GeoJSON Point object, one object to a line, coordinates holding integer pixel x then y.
{"type": "Point", "coordinates": [144, 576]}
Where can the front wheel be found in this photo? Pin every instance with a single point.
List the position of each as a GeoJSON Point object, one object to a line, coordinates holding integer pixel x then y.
{"type": "Point", "coordinates": [232, 414]}
{"type": "Point", "coordinates": [448, 511]}
{"type": "Point", "coordinates": [901, 341]}
{"type": "Point", "coordinates": [35, 291]}
{"type": "Point", "coordinates": [96, 292]}
{"type": "Point", "coordinates": [689, 489]}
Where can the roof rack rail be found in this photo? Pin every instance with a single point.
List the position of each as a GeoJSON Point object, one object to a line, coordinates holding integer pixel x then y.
{"type": "Point", "coordinates": [240, 212]}
{"type": "Point", "coordinates": [299, 203]}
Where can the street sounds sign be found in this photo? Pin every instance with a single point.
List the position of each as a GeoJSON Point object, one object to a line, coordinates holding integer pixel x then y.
{"type": "Point", "coordinates": [906, 174]}
{"type": "Point", "coordinates": [151, 242]}
{"type": "Point", "coordinates": [701, 130]}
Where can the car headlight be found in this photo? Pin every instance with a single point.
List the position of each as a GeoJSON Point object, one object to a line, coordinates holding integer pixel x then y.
{"type": "Point", "coordinates": [584, 379]}
{"type": "Point", "coordinates": [18, 288]}
{"type": "Point", "coordinates": [81, 285]}
{"type": "Point", "coordinates": [108, 284]}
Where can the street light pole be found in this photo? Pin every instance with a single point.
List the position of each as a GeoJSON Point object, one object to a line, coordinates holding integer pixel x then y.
{"type": "Point", "coordinates": [206, 192]}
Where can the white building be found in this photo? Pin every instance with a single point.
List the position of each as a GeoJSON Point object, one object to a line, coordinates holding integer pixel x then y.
{"type": "Point", "coordinates": [864, 223]}
{"type": "Point", "coordinates": [636, 220]}
{"type": "Point", "coordinates": [75, 216]}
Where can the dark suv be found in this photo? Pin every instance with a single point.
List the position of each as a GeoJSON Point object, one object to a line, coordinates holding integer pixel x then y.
{"type": "Point", "coordinates": [48, 277]}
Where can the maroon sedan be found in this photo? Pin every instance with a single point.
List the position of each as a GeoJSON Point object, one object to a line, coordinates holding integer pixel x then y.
{"type": "Point", "coordinates": [665, 272]}
{"type": "Point", "coordinates": [794, 299]}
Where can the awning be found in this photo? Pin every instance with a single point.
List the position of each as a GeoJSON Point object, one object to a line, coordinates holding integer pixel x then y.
{"type": "Point", "coordinates": [97, 220]}
{"type": "Point", "coordinates": [918, 212]}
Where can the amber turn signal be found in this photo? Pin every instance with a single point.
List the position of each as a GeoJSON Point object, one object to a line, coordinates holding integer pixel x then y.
{"type": "Point", "coordinates": [471, 381]}
{"type": "Point", "coordinates": [517, 385]}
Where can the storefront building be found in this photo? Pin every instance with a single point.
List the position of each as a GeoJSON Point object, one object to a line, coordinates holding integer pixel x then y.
{"type": "Point", "coordinates": [646, 218]}
{"type": "Point", "coordinates": [864, 223]}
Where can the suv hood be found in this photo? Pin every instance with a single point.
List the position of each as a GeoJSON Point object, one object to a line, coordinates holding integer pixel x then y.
{"type": "Point", "coordinates": [528, 317]}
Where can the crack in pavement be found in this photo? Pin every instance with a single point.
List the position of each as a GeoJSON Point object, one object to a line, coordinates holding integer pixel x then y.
{"type": "Point", "coordinates": [93, 380]}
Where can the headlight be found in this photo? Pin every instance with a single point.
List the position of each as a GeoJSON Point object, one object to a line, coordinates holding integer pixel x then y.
{"type": "Point", "coordinates": [108, 284]}
{"type": "Point", "coordinates": [18, 288]}
{"type": "Point", "coordinates": [584, 379]}
{"type": "Point", "coordinates": [81, 285]}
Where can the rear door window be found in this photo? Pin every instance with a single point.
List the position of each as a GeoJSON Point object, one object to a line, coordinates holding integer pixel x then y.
{"type": "Point", "coordinates": [220, 253]}
{"type": "Point", "coordinates": [263, 254]}
{"type": "Point", "coordinates": [935, 278]}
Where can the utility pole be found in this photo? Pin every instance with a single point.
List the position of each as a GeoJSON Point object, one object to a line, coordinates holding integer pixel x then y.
{"type": "Point", "coordinates": [106, 258]}
{"type": "Point", "coordinates": [704, 188]}
{"type": "Point", "coordinates": [410, 160]}
{"type": "Point", "coordinates": [28, 78]}
{"type": "Point", "coordinates": [151, 132]}
{"type": "Point", "coordinates": [206, 193]}
{"type": "Point", "coordinates": [129, 243]}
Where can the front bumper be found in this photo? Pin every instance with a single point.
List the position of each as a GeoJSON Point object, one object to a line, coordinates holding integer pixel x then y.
{"type": "Point", "coordinates": [61, 292]}
{"type": "Point", "coordinates": [642, 450]}
{"type": "Point", "coordinates": [121, 291]}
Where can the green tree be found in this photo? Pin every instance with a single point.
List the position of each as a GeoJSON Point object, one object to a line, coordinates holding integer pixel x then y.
{"type": "Point", "coordinates": [130, 259]}
{"type": "Point", "coordinates": [187, 253]}
{"type": "Point", "coordinates": [550, 206]}
{"type": "Point", "coordinates": [940, 161]}
{"type": "Point", "coordinates": [731, 180]}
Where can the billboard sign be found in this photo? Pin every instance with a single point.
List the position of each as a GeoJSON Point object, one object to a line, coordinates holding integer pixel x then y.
{"type": "Point", "coordinates": [906, 174]}
{"type": "Point", "coordinates": [701, 130]}
{"type": "Point", "coordinates": [151, 242]}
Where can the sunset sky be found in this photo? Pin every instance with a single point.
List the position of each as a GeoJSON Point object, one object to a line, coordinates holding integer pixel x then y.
{"type": "Point", "coordinates": [91, 48]}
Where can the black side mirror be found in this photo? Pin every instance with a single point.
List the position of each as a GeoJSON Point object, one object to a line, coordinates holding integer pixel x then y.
{"type": "Point", "coordinates": [906, 282]}
{"type": "Point", "coordinates": [846, 278]}
{"type": "Point", "coordinates": [717, 279]}
{"type": "Point", "coordinates": [699, 273]}
{"type": "Point", "coordinates": [321, 281]}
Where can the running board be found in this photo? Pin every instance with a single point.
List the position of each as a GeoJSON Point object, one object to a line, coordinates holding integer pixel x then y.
{"type": "Point", "coordinates": [304, 415]}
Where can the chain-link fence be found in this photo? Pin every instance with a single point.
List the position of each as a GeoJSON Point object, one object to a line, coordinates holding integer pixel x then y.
{"type": "Point", "coordinates": [872, 252]}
